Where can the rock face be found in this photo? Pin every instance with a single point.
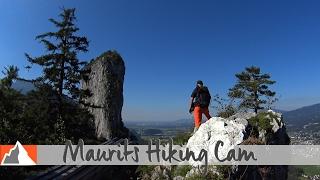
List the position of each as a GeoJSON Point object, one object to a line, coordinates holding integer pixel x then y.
{"type": "Point", "coordinates": [231, 132]}
{"type": "Point", "coordinates": [236, 130]}
{"type": "Point", "coordinates": [105, 83]}
{"type": "Point", "coordinates": [161, 173]}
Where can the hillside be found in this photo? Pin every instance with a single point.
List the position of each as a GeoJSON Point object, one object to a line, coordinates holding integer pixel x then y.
{"type": "Point", "coordinates": [303, 116]}
{"type": "Point", "coordinates": [181, 123]}
{"type": "Point", "coordinates": [232, 131]}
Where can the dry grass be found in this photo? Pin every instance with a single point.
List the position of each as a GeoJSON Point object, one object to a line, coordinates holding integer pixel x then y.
{"type": "Point", "coordinates": [252, 141]}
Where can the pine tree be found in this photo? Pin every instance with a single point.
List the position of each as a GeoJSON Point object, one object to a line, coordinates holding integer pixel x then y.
{"type": "Point", "coordinates": [61, 67]}
{"type": "Point", "coordinates": [11, 73]}
{"type": "Point", "coordinates": [252, 88]}
{"type": "Point", "coordinates": [10, 106]}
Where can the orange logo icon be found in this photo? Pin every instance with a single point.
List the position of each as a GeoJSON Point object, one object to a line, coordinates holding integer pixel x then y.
{"type": "Point", "coordinates": [18, 155]}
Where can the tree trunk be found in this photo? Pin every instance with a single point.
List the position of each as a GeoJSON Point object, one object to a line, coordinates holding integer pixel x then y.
{"type": "Point", "coordinates": [60, 125]}
{"type": "Point", "coordinates": [256, 102]}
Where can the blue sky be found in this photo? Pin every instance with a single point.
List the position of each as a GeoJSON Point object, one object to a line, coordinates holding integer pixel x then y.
{"type": "Point", "coordinates": [168, 45]}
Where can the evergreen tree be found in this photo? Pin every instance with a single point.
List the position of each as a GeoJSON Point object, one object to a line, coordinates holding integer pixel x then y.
{"type": "Point", "coordinates": [30, 118]}
{"type": "Point", "coordinates": [10, 73]}
{"type": "Point", "coordinates": [10, 106]}
{"type": "Point", "coordinates": [252, 88]}
{"type": "Point", "coordinates": [23, 117]}
{"type": "Point", "coordinates": [61, 67]}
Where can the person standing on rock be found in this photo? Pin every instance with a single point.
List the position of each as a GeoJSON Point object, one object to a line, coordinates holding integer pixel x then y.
{"type": "Point", "coordinates": [200, 101]}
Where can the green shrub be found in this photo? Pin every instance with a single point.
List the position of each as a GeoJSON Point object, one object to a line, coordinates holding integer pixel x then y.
{"type": "Point", "coordinates": [295, 172]}
{"type": "Point", "coordinates": [227, 111]}
{"type": "Point", "coordinates": [310, 170]}
{"type": "Point", "coordinates": [141, 170]}
{"type": "Point", "coordinates": [197, 177]}
{"type": "Point", "coordinates": [224, 171]}
{"type": "Point", "coordinates": [207, 176]}
{"type": "Point", "coordinates": [181, 139]}
{"type": "Point", "coordinates": [262, 120]}
{"type": "Point", "coordinates": [181, 170]}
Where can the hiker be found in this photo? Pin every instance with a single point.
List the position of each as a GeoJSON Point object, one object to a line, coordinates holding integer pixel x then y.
{"type": "Point", "coordinates": [200, 101]}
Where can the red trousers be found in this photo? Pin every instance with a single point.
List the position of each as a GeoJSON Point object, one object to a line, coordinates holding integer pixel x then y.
{"type": "Point", "coordinates": [197, 113]}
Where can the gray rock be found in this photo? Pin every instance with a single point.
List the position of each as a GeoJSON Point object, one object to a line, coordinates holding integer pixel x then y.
{"type": "Point", "coordinates": [232, 131]}
{"type": "Point", "coordinates": [242, 115]}
{"type": "Point", "coordinates": [202, 170]}
{"type": "Point", "coordinates": [178, 178]}
{"type": "Point", "coordinates": [166, 173]}
{"type": "Point", "coordinates": [105, 83]}
{"type": "Point", "coordinates": [161, 173]}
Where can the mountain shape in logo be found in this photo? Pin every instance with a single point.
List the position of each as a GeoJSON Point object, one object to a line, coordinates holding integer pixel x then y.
{"type": "Point", "coordinates": [17, 156]}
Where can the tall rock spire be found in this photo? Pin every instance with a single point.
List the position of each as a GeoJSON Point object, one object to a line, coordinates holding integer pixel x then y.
{"type": "Point", "coordinates": [105, 83]}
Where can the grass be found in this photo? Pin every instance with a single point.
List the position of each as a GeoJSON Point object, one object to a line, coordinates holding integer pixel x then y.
{"type": "Point", "coordinates": [145, 170]}
{"type": "Point", "coordinates": [182, 170]}
{"type": "Point", "coordinates": [310, 170]}
{"type": "Point", "coordinates": [181, 138]}
{"type": "Point", "coordinates": [262, 120]}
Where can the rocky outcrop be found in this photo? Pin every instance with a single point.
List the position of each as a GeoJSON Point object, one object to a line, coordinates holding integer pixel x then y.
{"type": "Point", "coordinates": [161, 173]}
{"type": "Point", "coordinates": [237, 130]}
{"type": "Point", "coordinates": [105, 83]}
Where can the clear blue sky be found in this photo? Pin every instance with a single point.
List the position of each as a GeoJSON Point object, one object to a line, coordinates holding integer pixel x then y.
{"type": "Point", "coordinates": [167, 45]}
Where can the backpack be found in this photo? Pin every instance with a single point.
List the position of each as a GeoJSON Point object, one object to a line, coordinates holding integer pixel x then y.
{"type": "Point", "coordinates": [203, 97]}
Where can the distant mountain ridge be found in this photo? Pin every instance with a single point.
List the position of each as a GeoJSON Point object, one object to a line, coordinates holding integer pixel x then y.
{"type": "Point", "coordinates": [23, 86]}
{"type": "Point", "coordinates": [303, 116]}
{"type": "Point", "coordinates": [298, 118]}
{"type": "Point", "coordinates": [280, 111]}
{"type": "Point", "coordinates": [161, 124]}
